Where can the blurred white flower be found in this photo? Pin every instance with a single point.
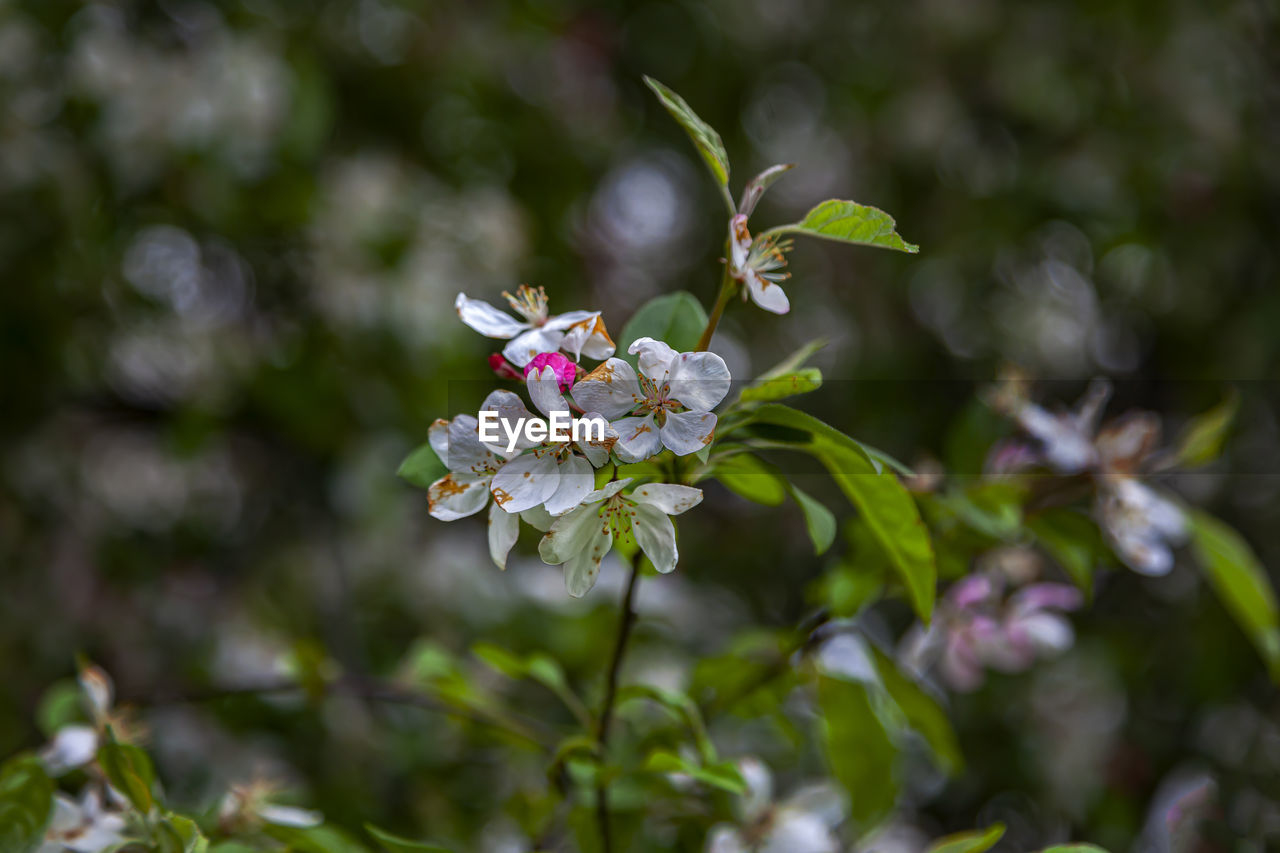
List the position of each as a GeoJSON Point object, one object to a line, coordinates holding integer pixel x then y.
{"type": "Point", "coordinates": [86, 826]}
{"type": "Point", "coordinates": [805, 822]}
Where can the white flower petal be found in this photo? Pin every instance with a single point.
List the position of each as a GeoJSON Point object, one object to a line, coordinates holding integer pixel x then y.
{"type": "Point", "coordinates": [608, 490]}
{"type": "Point", "coordinates": [289, 816]}
{"type": "Point", "coordinates": [638, 439]}
{"type": "Point", "coordinates": [97, 686]}
{"type": "Point", "coordinates": [466, 454]}
{"type": "Point", "coordinates": [457, 496]}
{"type": "Point", "coordinates": [73, 746]}
{"type": "Point", "coordinates": [521, 350]}
{"type": "Point", "coordinates": [577, 479]}
{"type": "Point", "coordinates": [759, 794]}
{"type": "Point", "coordinates": [587, 336]}
{"type": "Point", "coordinates": [699, 380]}
{"type": "Point", "coordinates": [544, 391]}
{"type": "Point", "coordinates": [581, 572]}
{"type": "Point", "coordinates": [724, 838]}
{"type": "Point", "coordinates": [570, 534]}
{"type": "Point", "coordinates": [688, 432]}
{"type": "Point", "coordinates": [66, 815]}
{"type": "Point", "coordinates": [656, 536]}
{"type": "Point", "coordinates": [799, 832]}
{"type": "Point", "coordinates": [668, 497]}
{"type": "Point", "coordinates": [597, 450]}
{"type": "Point", "coordinates": [526, 481]}
{"type": "Point", "coordinates": [654, 357]}
{"type": "Point", "coordinates": [438, 438]}
{"type": "Point", "coordinates": [538, 518]}
{"type": "Point", "coordinates": [612, 389]}
{"type": "Point", "coordinates": [1046, 632]}
{"type": "Point", "coordinates": [486, 319]}
{"type": "Point", "coordinates": [766, 294]}
{"type": "Point", "coordinates": [511, 411]}
{"type": "Point", "coordinates": [504, 530]}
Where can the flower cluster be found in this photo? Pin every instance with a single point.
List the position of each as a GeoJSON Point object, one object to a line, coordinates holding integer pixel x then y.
{"type": "Point", "coordinates": [561, 487]}
{"type": "Point", "coordinates": [1140, 523]}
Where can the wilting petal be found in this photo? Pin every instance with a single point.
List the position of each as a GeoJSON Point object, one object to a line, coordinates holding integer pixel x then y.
{"type": "Point", "coordinates": [598, 438]}
{"type": "Point", "coordinates": [688, 432]}
{"type": "Point", "coordinates": [511, 413]}
{"type": "Point", "coordinates": [699, 380]}
{"type": "Point", "coordinates": [526, 481]}
{"type": "Point", "coordinates": [438, 438]}
{"type": "Point", "coordinates": [72, 747]}
{"type": "Point", "coordinates": [570, 534]}
{"type": "Point", "coordinates": [612, 389]}
{"type": "Point", "coordinates": [581, 572]}
{"type": "Point", "coordinates": [1125, 442]}
{"type": "Point", "coordinates": [656, 536]}
{"type": "Point", "coordinates": [766, 294]}
{"type": "Point", "coordinates": [521, 350]}
{"type": "Point", "coordinates": [588, 337]}
{"type": "Point", "coordinates": [655, 357]}
{"type": "Point", "coordinates": [544, 390]}
{"type": "Point", "coordinates": [504, 530]}
{"type": "Point", "coordinates": [668, 497]}
{"type": "Point", "coordinates": [577, 479]}
{"type": "Point", "coordinates": [466, 454]}
{"type": "Point", "coordinates": [456, 496]}
{"type": "Point", "coordinates": [99, 690]}
{"type": "Point", "coordinates": [486, 319]}
{"type": "Point", "coordinates": [638, 439]}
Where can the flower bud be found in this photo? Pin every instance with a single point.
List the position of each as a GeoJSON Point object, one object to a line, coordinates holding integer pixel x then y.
{"type": "Point", "coordinates": [566, 370]}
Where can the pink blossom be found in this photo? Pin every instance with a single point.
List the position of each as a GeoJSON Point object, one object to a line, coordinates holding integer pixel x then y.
{"type": "Point", "coordinates": [566, 370]}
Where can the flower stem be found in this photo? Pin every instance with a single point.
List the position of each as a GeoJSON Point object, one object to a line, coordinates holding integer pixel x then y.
{"type": "Point", "coordinates": [727, 289]}
{"type": "Point", "coordinates": [625, 624]}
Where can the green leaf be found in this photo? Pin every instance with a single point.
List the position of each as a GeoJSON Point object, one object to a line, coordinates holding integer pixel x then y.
{"type": "Point", "coordinates": [60, 705]}
{"type": "Point", "coordinates": [1073, 848]}
{"type": "Point", "coordinates": [315, 839]}
{"type": "Point", "coordinates": [682, 706]}
{"type": "Point", "coordinates": [398, 844]}
{"type": "Point", "coordinates": [801, 381]}
{"type": "Point", "coordinates": [922, 714]}
{"type": "Point", "coordinates": [510, 665]}
{"type": "Point", "coordinates": [1241, 583]}
{"type": "Point", "coordinates": [704, 136]}
{"type": "Point", "coordinates": [181, 835]}
{"type": "Point", "coordinates": [749, 477]}
{"type": "Point", "coordinates": [796, 360]}
{"type": "Point", "coordinates": [884, 503]}
{"type": "Point", "coordinates": [1202, 439]}
{"type": "Point", "coordinates": [676, 318]}
{"type": "Point", "coordinates": [818, 520]}
{"type": "Point", "coordinates": [850, 222]}
{"type": "Point", "coordinates": [422, 467]}
{"type": "Point", "coordinates": [977, 841]}
{"type": "Point", "coordinates": [755, 188]}
{"type": "Point", "coordinates": [26, 801]}
{"type": "Point", "coordinates": [1071, 539]}
{"type": "Point", "coordinates": [129, 769]}
{"type": "Point", "coordinates": [859, 749]}
{"type": "Point", "coordinates": [724, 776]}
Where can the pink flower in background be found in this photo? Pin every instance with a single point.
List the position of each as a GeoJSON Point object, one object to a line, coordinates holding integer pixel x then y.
{"type": "Point", "coordinates": [566, 371]}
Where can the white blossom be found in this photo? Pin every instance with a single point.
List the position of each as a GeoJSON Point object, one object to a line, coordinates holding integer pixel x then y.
{"type": "Point", "coordinates": [577, 332]}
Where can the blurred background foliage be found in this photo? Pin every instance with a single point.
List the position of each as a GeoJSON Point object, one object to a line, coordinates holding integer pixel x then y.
{"type": "Point", "coordinates": [231, 235]}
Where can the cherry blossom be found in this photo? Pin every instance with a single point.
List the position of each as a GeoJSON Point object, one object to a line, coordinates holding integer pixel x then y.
{"type": "Point", "coordinates": [805, 822]}
{"type": "Point", "coordinates": [577, 332]}
{"type": "Point", "coordinates": [667, 405]}
{"type": "Point", "coordinates": [758, 264]}
{"type": "Point", "coordinates": [581, 539]}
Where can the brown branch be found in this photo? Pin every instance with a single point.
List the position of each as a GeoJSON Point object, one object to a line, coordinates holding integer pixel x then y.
{"type": "Point", "coordinates": [625, 624]}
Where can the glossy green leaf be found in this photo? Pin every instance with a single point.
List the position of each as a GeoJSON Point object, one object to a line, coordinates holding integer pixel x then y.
{"type": "Point", "coordinates": [818, 520]}
{"type": "Point", "coordinates": [749, 477]}
{"type": "Point", "coordinates": [978, 841]}
{"type": "Point", "coordinates": [884, 503]}
{"type": "Point", "coordinates": [682, 706]}
{"type": "Point", "coordinates": [724, 776]}
{"type": "Point", "coordinates": [849, 222]}
{"type": "Point", "coordinates": [800, 381]}
{"type": "Point", "coordinates": [315, 839]}
{"type": "Point", "coordinates": [422, 467]}
{"type": "Point", "coordinates": [922, 713]}
{"type": "Point", "coordinates": [26, 801]}
{"type": "Point", "coordinates": [704, 136]}
{"type": "Point", "coordinates": [1071, 539]}
{"type": "Point", "coordinates": [178, 834]}
{"type": "Point", "coordinates": [399, 844]}
{"type": "Point", "coordinates": [1202, 439]}
{"type": "Point", "coordinates": [129, 769]}
{"type": "Point", "coordinates": [756, 187]}
{"type": "Point", "coordinates": [675, 318]}
{"type": "Point", "coordinates": [859, 749]}
{"type": "Point", "coordinates": [1241, 583]}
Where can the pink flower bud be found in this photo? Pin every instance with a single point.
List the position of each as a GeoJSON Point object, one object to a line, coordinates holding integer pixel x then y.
{"type": "Point", "coordinates": [566, 370]}
{"type": "Point", "coordinates": [503, 368]}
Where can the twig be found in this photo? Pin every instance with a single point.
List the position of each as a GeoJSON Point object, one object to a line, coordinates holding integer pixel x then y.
{"type": "Point", "coordinates": [727, 283]}
{"type": "Point", "coordinates": [625, 624]}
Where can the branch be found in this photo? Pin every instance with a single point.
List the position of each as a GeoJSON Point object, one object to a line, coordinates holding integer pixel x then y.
{"type": "Point", "coordinates": [625, 624]}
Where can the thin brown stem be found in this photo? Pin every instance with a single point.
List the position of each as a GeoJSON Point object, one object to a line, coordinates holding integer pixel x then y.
{"type": "Point", "coordinates": [625, 624]}
{"type": "Point", "coordinates": [727, 287]}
